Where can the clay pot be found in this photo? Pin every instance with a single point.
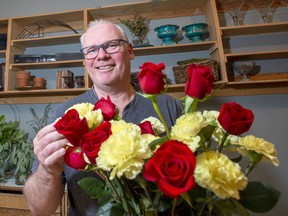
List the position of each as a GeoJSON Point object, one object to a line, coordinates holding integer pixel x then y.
{"type": "Point", "coordinates": [22, 78]}
{"type": "Point", "coordinates": [39, 82]}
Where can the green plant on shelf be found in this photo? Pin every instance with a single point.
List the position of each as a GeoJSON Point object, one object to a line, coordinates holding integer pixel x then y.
{"type": "Point", "coordinates": [138, 25]}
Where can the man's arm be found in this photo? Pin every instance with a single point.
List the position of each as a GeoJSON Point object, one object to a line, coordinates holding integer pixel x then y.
{"type": "Point", "coordinates": [44, 192]}
{"type": "Point", "coordinates": [45, 188]}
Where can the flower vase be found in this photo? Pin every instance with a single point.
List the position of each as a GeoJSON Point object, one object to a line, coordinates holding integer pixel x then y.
{"type": "Point", "coordinates": [139, 40]}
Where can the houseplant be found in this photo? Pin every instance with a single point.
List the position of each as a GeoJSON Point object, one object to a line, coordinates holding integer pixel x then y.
{"type": "Point", "coordinates": [16, 152]}
{"type": "Point", "coordinates": [139, 26]}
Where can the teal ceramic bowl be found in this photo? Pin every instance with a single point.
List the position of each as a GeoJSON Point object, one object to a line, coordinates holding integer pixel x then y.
{"type": "Point", "coordinates": [196, 32]}
{"type": "Point", "coordinates": [167, 33]}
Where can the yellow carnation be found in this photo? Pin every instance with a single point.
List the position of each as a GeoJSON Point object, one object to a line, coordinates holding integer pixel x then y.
{"type": "Point", "coordinates": [187, 128]}
{"type": "Point", "coordinates": [212, 118]}
{"type": "Point", "coordinates": [124, 152]}
{"type": "Point", "coordinates": [219, 174]}
{"type": "Point", "coordinates": [157, 125]}
{"type": "Point", "coordinates": [259, 145]}
{"type": "Point", "coordinates": [93, 117]}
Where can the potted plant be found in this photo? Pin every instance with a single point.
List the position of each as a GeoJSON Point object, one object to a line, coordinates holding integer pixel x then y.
{"type": "Point", "coordinates": [139, 26]}
{"type": "Point", "coordinates": [16, 152]}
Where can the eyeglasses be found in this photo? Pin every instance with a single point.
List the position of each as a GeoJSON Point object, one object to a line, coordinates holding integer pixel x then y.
{"type": "Point", "coordinates": [110, 47]}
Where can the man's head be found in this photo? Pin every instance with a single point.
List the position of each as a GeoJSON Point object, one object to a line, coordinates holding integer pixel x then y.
{"type": "Point", "coordinates": [107, 54]}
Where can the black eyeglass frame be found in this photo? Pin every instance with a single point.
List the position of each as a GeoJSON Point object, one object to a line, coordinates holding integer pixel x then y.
{"type": "Point", "coordinates": [103, 47]}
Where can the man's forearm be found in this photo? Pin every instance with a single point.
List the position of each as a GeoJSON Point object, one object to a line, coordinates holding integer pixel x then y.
{"type": "Point", "coordinates": [43, 192]}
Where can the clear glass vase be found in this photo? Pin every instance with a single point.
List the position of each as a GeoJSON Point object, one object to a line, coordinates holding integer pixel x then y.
{"type": "Point", "coordinates": [140, 40]}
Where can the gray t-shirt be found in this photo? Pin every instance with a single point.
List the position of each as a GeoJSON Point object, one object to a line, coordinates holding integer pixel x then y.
{"type": "Point", "coordinates": [137, 110]}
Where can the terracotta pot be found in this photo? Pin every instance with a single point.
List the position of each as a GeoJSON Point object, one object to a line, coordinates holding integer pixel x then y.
{"type": "Point", "coordinates": [22, 78]}
{"type": "Point", "coordinates": [23, 74]}
{"type": "Point", "coordinates": [39, 82]}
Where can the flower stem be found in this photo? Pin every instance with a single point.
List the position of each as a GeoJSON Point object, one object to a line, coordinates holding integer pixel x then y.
{"type": "Point", "coordinates": [156, 107]}
{"type": "Point", "coordinates": [173, 207]}
{"type": "Point", "coordinates": [142, 183]}
{"type": "Point", "coordinates": [223, 141]}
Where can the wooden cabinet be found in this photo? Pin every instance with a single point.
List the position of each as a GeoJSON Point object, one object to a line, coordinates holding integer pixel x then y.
{"type": "Point", "coordinates": [13, 202]}
{"type": "Point", "coordinates": [50, 36]}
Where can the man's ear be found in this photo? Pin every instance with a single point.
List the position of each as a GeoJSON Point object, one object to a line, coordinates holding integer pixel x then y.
{"type": "Point", "coordinates": [131, 51]}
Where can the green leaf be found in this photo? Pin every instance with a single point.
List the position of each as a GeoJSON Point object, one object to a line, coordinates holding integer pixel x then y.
{"type": "Point", "coordinates": [117, 210]}
{"type": "Point", "coordinates": [229, 207]}
{"type": "Point", "coordinates": [92, 186]}
{"type": "Point", "coordinates": [157, 142]}
{"type": "Point", "coordinates": [259, 197]}
{"type": "Point", "coordinates": [207, 131]}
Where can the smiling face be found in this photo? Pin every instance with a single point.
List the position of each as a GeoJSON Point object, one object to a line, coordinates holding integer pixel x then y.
{"type": "Point", "coordinates": [111, 70]}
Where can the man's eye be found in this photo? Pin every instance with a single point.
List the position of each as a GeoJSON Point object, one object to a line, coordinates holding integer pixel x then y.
{"type": "Point", "coordinates": [92, 50]}
{"type": "Point", "coordinates": [111, 45]}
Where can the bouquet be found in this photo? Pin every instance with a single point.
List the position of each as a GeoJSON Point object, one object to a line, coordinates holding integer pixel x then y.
{"type": "Point", "coordinates": [193, 169]}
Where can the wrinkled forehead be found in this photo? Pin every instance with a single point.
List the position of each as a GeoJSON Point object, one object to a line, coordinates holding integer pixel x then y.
{"type": "Point", "coordinates": [101, 33]}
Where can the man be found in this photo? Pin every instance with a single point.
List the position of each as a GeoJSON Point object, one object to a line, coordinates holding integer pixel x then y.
{"type": "Point", "coordinates": [107, 55]}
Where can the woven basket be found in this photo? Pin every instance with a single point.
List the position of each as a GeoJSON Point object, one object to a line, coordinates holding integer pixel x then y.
{"type": "Point", "coordinates": [180, 72]}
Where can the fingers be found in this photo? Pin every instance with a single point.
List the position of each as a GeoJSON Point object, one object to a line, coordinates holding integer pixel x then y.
{"type": "Point", "coordinates": [49, 148]}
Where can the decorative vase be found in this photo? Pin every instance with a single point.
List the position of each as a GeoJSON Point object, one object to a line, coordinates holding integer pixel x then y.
{"type": "Point", "coordinates": [139, 40]}
{"type": "Point", "coordinates": [196, 32]}
{"type": "Point", "coordinates": [167, 33]}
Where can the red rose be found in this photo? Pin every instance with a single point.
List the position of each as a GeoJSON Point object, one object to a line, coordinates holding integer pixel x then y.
{"type": "Point", "coordinates": [151, 78]}
{"type": "Point", "coordinates": [200, 81]}
{"type": "Point", "coordinates": [146, 128]}
{"type": "Point", "coordinates": [72, 127]}
{"type": "Point", "coordinates": [91, 141]}
{"type": "Point", "coordinates": [172, 167]}
{"type": "Point", "coordinates": [235, 119]}
{"type": "Point", "coordinates": [74, 158]}
{"type": "Point", "coordinates": [108, 109]}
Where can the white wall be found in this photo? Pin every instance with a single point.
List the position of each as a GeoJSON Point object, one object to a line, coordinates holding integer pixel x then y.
{"type": "Point", "coordinates": [270, 111]}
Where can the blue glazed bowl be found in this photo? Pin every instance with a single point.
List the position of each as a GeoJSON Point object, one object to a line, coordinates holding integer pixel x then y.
{"type": "Point", "coordinates": [196, 32]}
{"type": "Point", "coordinates": [167, 33]}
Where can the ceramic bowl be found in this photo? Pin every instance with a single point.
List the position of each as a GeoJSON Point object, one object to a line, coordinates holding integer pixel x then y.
{"type": "Point", "coordinates": [196, 32]}
{"type": "Point", "coordinates": [167, 33]}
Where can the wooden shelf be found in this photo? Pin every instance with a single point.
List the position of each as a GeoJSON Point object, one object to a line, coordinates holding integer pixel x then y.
{"type": "Point", "coordinates": [159, 9]}
{"type": "Point", "coordinates": [254, 29]}
{"type": "Point", "coordinates": [40, 96]}
{"type": "Point", "coordinates": [263, 78]}
{"type": "Point", "coordinates": [47, 41]}
{"type": "Point", "coordinates": [48, 65]}
{"type": "Point", "coordinates": [257, 55]}
{"type": "Point", "coordinates": [156, 50]}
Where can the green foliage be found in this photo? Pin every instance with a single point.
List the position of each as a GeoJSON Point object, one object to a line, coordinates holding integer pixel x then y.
{"type": "Point", "coordinates": [15, 149]}
{"type": "Point", "coordinates": [38, 122]}
{"type": "Point", "coordinates": [259, 197]}
{"type": "Point", "coordinates": [137, 24]}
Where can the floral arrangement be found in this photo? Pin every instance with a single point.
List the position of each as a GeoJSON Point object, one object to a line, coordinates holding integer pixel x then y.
{"type": "Point", "coordinates": [194, 169]}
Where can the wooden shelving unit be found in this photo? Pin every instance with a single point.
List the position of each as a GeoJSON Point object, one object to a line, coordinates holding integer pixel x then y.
{"type": "Point", "coordinates": [276, 82]}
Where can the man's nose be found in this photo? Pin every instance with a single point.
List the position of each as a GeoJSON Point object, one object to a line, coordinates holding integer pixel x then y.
{"type": "Point", "coordinates": [101, 53]}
